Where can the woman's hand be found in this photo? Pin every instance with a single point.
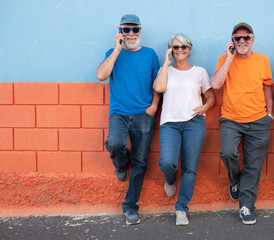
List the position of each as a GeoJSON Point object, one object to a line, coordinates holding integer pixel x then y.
{"type": "Point", "coordinates": [199, 110]}
{"type": "Point", "coordinates": [168, 57]}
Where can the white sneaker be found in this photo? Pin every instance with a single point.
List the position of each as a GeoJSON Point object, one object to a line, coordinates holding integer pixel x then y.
{"type": "Point", "coordinates": [170, 189]}
{"type": "Point", "coordinates": [181, 218]}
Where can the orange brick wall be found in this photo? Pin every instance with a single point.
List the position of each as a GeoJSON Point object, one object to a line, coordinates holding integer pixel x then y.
{"type": "Point", "coordinates": [52, 153]}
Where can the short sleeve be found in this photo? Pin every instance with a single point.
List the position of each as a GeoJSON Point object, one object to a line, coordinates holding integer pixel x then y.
{"type": "Point", "coordinates": [206, 81]}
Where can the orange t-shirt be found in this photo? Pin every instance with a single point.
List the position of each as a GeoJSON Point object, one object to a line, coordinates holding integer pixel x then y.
{"type": "Point", "coordinates": [243, 94]}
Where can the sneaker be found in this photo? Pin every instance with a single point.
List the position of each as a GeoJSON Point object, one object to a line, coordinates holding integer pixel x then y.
{"type": "Point", "coordinates": [247, 215]}
{"type": "Point", "coordinates": [121, 174]}
{"type": "Point", "coordinates": [170, 189]}
{"type": "Point", "coordinates": [181, 218]}
{"type": "Point", "coordinates": [234, 191]}
{"type": "Point", "coordinates": [132, 217]}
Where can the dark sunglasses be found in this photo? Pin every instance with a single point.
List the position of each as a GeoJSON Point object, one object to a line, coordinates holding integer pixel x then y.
{"type": "Point", "coordinates": [176, 47]}
{"type": "Point", "coordinates": [128, 29]}
{"type": "Point", "coordinates": [238, 38]}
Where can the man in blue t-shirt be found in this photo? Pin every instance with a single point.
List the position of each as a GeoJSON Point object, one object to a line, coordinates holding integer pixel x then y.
{"type": "Point", "coordinates": [131, 69]}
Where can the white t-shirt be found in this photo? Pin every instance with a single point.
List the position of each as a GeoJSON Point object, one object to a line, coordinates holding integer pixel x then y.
{"type": "Point", "coordinates": [183, 93]}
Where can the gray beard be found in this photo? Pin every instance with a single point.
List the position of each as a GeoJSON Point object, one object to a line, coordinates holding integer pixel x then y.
{"type": "Point", "coordinates": [132, 45]}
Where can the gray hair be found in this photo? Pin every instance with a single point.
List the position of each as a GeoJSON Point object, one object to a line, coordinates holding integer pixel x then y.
{"type": "Point", "coordinates": [180, 37]}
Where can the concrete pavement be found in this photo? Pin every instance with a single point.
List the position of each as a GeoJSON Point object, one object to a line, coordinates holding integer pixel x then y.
{"type": "Point", "coordinates": [224, 225]}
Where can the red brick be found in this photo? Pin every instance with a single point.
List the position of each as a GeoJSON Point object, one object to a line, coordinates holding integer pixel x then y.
{"type": "Point", "coordinates": [81, 139]}
{"type": "Point", "coordinates": [212, 118]}
{"type": "Point", "coordinates": [107, 93]}
{"type": "Point", "coordinates": [95, 116]}
{"type": "Point", "coordinates": [17, 161]}
{"type": "Point", "coordinates": [97, 163]}
{"type": "Point", "coordinates": [272, 125]}
{"type": "Point", "coordinates": [271, 144]}
{"type": "Point", "coordinates": [17, 116]}
{"type": "Point", "coordinates": [208, 165]}
{"type": "Point", "coordinates": [155, 142]}
{"type": "Point", "coordinates": [270, 165]}
{"type": "Point", "coordinates": [59, 162]}
{"type": "Point", "coordinates": [212, 141]}
{"type": "Point", "coordinates": [81, 93]}
{"type": "Point", "coordinates": [58, 116]}
{"type": "Point", "coordinates": [219, 97]}
{"type": "Point", "coordinates": [6, 93]}
{"type": "Point", "coordinates": [36, 93]}
{"type": "Point", "coordinates": [6, 139]}
{"type": "Point", "coordinates": [157, 117]}
{"type": "Point", "coordinates": [153, 169]}
{"type": "Point", "coordinates": [35, 139]}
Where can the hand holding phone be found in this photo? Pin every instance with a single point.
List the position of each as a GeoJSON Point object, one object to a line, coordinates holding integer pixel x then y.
{"type": "Point", "coordinates": [168, 57]}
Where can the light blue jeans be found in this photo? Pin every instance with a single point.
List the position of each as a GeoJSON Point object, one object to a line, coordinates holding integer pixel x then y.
{"type": "Point", "coordinates": [189, 137]}
{"type": "Point", "coordinates": [139, 128]}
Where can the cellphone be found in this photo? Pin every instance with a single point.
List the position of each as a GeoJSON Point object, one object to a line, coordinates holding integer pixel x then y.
{"type": "Point", "coordinates": [120, 31]}
{"type": "Point", "coordinates": [232, 48]}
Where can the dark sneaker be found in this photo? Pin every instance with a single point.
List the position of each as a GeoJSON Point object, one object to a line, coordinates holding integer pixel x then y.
{"type": "Point", "coordinates": [121, 174]}
{"type": "Point", "coordinates": [247, 215]}
{"type": "Point", "coordinates": [234, 191]}
{"type": "Point", "coordinates": [132, 217]}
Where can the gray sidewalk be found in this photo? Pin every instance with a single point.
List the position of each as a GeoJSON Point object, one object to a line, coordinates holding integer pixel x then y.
{"type": "Point", "coordinates": [223, 225]}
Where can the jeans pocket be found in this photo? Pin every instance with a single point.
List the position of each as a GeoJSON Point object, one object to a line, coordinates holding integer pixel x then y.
{"type": "Point", "coordinates": [148, 114]}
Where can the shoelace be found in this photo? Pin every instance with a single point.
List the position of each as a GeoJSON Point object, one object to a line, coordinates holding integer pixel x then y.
{"type": "Point", "coordinates": [245, 211]}
{"type": "Point", "coordinates": [236, 187]}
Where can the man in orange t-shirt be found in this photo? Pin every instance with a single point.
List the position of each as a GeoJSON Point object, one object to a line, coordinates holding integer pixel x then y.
{"type": "Point", "coordinates": [246, 115]}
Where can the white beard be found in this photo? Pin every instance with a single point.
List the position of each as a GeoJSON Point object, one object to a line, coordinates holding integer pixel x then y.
{"type": "Point", "coordinates": [242, 49]}
{"type": "Point", "coordinates": [132, 45]}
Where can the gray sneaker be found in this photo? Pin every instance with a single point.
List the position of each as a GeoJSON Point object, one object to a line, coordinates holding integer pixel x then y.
{"type": "Point", "coordinates": [132, 217]}
{"type": "Point", "coordinates": [121, 174]}
{"type": "Point", "coordinates": [181, 218]}
{"type": "Point", "coordinates": [170, 189]}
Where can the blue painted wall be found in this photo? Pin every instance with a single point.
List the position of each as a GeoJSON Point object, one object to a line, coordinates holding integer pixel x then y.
{"type": "Point", "coordinates": [65, 40]}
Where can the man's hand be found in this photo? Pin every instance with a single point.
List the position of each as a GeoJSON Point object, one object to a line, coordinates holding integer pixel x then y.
{"type": "Point", "coordinates": [151, 110]}
{"type": "Point", "coordinates": [229, 55]}
{"type": "Point", "coordinates": [117, 44]}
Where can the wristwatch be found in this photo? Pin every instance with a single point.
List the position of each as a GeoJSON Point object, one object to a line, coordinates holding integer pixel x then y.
{"type": "Point", "coordinates": [270, 115]}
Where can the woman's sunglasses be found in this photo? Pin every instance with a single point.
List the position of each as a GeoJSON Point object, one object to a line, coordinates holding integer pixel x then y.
{"type": "Point", "coordinates": [176, 47]}
{"type": "Point", "coordinates": [128, 29]}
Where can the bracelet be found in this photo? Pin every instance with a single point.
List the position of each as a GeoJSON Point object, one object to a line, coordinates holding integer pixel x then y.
{"type": "Point", "coordinates": [270, 115]}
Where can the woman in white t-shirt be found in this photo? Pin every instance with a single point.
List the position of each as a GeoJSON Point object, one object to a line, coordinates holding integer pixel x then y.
{"type": "Point", "coordinates": [182, 124]}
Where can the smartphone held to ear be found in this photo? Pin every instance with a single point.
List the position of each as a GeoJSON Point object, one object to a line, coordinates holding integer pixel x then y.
{"type": "Point", "coordinates": [232, 48]}
{"type": "Point", "coordinates": [120, 31]}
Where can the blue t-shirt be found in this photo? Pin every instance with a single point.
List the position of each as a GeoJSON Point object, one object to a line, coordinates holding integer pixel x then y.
{"type": "Point", "coordinates": [131, 81]}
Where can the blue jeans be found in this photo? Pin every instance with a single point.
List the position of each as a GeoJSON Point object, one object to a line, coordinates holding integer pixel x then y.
{"type": "Point", "coordinates": [189, 137]}
{"type": "Point", "coordinates": [255, 136]}
{"type": "Point", "coordinates": [139, 128]}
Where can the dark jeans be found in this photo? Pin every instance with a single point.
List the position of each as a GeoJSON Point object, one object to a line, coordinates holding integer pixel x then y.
{"type": "Point", "coordinates": [255, 136]}
{"type": "Point", "coordinates": [139, 128]}
{"type": "Point", "coordinates": [189, 137]}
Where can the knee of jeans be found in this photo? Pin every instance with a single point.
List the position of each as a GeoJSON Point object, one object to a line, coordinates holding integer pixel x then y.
{"type": "Point", "coordinates": [167, 166]}
{"type": "Point", "coordinates": [114, 145]}
{"type": "Point", "coordinates": [229, 153]}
